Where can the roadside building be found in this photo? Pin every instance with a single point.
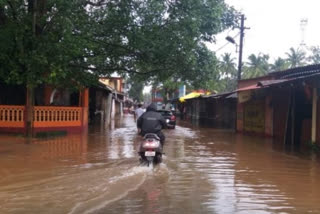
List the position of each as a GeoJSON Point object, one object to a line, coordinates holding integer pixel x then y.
{"type": "Point", "coordinates": [189, 106]}
{"type": "Point", "coordinates": [100, 103]}
{"type": "Point", "coordinates": [55, 110]}
{"type": "Point", "coordinates": [220, 110]}
{"type": "Point", "coordinates": [283, 105]}
{"type": "Point", "coordinates": [60, 110]}
{"type": "Point", "coordinates": [165, 99]}
{"type": "Point", "coordinates": [216, 111]}
{"type": "Point", "coordinates": [119, 96]}
{"type": "Point", "coordinates": [156, 96]}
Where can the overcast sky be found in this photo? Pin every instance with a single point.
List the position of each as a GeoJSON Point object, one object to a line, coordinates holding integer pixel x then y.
{"type": "Point", "coordinates": [274, 26]}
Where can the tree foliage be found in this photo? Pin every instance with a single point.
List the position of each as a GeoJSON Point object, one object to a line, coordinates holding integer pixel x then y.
{"type": "Point", "coordinates": [296, 57]}
{"type": "Point", "coordinates": [314, 58]}
{"type": "Point", "coordinates": [279, 65]}
{"type": "Point", "coordinates": [136, 89]}
{"type": "Point", "coordinates": [257, 65]}
{"type": "Point", "coordinates": [168, 88]}
{"type": "Point", "coordinates": [55, 41]}
{"type": "Point", "coordinates": [228, 73]}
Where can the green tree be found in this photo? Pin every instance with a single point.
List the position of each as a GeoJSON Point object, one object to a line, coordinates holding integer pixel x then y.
{"type": "Point", "coordinates": [204, 73]}
{"type": "Point", "coordinates": [40, 43]}
{"type": "Point", "coordinates": [136, 90]}
{"type": "Point", "coordinates": [167, 88]}
{"type": "Point", "coordinates": [256, 66]}
{"type": "Point", "coordinates": [58, 41]}
{"type": "Point", "coordinates": [314, 58]}
{"type": "Point", "coordinates": [279, 64]}
{"type": "Point", "coordinates": [201, 73]}
{"type": "Point", "coordinates": [296, 57]}
{"type": "Point", "coordinates": [53, 41]}
{"type": "Point", "coordinates": [228, 73]}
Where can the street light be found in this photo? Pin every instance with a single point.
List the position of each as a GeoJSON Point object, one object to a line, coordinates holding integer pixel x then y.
{"type": "Point", "coordinates": [231, 40]}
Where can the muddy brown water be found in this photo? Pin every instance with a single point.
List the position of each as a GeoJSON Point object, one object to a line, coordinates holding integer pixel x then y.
{"type": "Point", "coordinates": [204, 171]}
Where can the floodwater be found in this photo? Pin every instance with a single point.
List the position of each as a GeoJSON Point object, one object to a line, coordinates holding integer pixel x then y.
{"type": "Point", "coordinates": [203, 171]}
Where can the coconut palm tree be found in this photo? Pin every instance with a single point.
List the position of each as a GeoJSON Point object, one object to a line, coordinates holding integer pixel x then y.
{"type": "Point", "coordinates": [315, 57]}
{"type": "Point", "coordinates": [228, 73]}
{"type": "Point", "coordinates": [227, 65]}
{"type": "Point", "coordinates": [257, 65]}
{"type": "Point", "coordinates": [279, 64]}
{"type": "Point", "coordinates": [296, 57]}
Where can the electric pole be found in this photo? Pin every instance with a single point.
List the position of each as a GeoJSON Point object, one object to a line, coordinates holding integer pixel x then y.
{"type": "Point", "coordinates": [242, 28]}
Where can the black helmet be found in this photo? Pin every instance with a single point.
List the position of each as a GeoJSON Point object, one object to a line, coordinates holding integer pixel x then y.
{"type": "Point", "coordinates": [152, 107]}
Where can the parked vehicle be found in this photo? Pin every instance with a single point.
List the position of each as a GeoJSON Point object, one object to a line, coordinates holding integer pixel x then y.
{"type": "Point", "coordinates": [169, 117]}
{"type": "Point", "coordinates": [150, 150]}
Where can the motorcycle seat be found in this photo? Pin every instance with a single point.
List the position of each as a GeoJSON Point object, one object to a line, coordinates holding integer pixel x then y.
{"type": "Point", "coordinates": [151, 135]}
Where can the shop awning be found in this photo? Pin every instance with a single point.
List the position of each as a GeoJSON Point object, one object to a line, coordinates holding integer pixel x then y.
{"type": "Point", "coordinates": [190, 96]}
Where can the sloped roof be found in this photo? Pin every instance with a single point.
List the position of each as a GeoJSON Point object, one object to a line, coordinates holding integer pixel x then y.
{"type": "Point", "coordinates": [296, 72]}
{"type": "Point", "coordinates": [250, 87]}
{"type": "Point", "coordinates": [220, 95]}
{"type": "Point", "coordinates": [271, 83]}
{"type": "Point", "coordinates": [105, 87]}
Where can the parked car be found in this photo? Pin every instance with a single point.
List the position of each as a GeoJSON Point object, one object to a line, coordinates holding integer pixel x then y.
{"type": "Point", "coordinates": [169, 117]}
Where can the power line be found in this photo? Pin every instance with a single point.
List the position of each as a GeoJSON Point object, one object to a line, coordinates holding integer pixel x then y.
{"type": "Point", "coordinates": [221, 47]}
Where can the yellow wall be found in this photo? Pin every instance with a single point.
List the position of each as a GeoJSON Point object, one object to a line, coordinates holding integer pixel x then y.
{"type": "Point", "coordinates": [113, 83]}
{"type": "Point", "coordinates": [254, 116]}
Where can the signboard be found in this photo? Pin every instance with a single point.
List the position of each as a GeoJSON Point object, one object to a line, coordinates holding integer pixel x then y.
{"type": "Point", "coordinates": [244, 96]}
{"type": "Point", "coordinates": [254, 116]}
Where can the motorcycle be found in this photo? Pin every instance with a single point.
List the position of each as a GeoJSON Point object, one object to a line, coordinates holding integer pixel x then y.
{"type": "Point", "coordinates": [150, 149]}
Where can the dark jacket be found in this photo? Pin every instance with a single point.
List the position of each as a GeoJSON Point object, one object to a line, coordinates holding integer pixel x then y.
{"type": "Point", "coordinates": [151, 121]}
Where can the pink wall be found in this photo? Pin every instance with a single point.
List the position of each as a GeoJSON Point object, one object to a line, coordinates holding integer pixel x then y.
{"type": "Point", "coordinates": [248, 82]}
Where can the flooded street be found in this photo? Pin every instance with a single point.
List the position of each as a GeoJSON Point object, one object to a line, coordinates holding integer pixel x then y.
{"type": "Point", "coordinates": [203, 171]}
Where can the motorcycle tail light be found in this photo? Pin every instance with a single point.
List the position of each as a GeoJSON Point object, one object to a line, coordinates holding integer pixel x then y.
{"type": "Point", "coordinates": [150, 144]}
{"type": "Point", "coordinates": [173, 117]}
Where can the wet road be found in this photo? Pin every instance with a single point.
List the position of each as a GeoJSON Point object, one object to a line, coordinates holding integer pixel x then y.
{"type": "Point", "coordinates": [204, 171]}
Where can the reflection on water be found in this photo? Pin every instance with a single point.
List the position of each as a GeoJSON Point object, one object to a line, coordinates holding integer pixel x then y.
{"type": "Point", "coordinates": [204, 171]}
{"type": "Point", "coordinates": [74, 145]}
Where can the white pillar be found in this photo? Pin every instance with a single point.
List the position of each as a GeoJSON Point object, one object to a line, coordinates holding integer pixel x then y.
{"type": "Point", "coordinates": [108, 108]}
{"type": "Point", "coordinates": [314, 115]}
{"type": "Point", "coordinates": [121, 108]}
{"type": "Point", "coordinates": [113, 109]}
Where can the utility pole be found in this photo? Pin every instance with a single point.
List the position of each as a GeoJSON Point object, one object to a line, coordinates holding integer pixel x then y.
{"type": "Point", "coordinates": [242, 28]}
{"type": "Point", "coordinates": [230, 39]}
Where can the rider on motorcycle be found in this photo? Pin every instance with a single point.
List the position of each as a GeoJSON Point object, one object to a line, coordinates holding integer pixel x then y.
{"type": "Point", "coordinates": [152, 122]}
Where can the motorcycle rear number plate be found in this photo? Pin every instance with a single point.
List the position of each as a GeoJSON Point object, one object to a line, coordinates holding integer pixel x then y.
{"type": "Point", "coordinates": [150, 153]}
